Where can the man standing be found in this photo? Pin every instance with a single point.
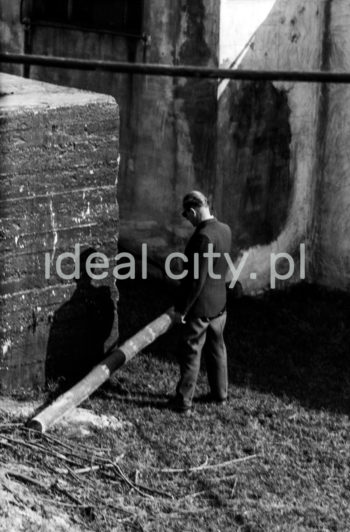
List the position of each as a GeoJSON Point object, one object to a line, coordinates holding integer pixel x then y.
{"type": "Point", "coordinates": [201, 306]}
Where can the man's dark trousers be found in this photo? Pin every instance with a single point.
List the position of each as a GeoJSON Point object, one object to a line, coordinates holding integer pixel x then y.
{"type": "Point", "coordinates": [203, 334]}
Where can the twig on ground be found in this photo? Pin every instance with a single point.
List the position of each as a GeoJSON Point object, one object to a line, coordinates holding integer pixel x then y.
{"type": "Point", "coordinates": [58, 470]}
{"type": "Point", "coordinates": [204, 466]}
{"type": "Point", "coordinates": [85, 448]}
{"type": "Point", "coordinates": [120, 508]}
{"type": "Point", "coordinates": [177, 514]}
{"type": "Point", "coordinates": [55, 486]}
{"type": "Point", "coordinates": [151, 490]}
{"type": "Point", "coordinates": [154, 490]}
{"type": "Point", "coordinates": [122, 475]}
{"type": "Point", "coordinates": [27, 480]}
{"type": "Point", "coordinates": [9, 425]}
{"type": "Point", "coordinates": [6, 444]}
{"type": "Point", "coordinates": [234, 487]}
{"type": "Point", "coordinates": [72, 449]}
{"type": "Point", "coordinates": [61, 503]}
{"type": "Point", "coordinates": [83, 470]}
{"type": "Point", "coordinates": [39, 484]}
{"type": "Point", "coordinates": [83, 456]}
{"type": "Point", "coordinates": [74, 475]}
{"type": "Point", "coordinates": [222, 479]}
{"type": "Point", "coordinates": [20, 502]}
{"type": "Point", "coordinates": [41, 448]}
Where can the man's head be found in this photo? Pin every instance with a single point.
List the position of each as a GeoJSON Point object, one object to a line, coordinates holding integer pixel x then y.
{"type": "Point", "coordinates": [195, 207]}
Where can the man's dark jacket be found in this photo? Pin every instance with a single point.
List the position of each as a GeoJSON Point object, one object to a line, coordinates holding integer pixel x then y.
{"type": "Point", "coordinates": [205, 297]}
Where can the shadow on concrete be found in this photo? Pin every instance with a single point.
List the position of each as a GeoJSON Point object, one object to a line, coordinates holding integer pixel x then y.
{"type": "Point", "coordinates": [78, 331]}
{"type": "Point", "coordinates": [294, 343]}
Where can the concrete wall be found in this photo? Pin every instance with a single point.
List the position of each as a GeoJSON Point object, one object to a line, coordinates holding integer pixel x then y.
{"type": "Point", "coordinates": [330, 232]}
{"type": "Point", "coordinates": [58, 172]}
{"type": "Point", "coordinates": [283, 169]}
{"type": "Point", "coordinates": [281, 177]}
{"type": "Point", "coordinates": [168, 126]}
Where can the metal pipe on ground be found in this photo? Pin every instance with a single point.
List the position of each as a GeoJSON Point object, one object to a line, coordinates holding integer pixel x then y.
{"type": "Point", "coordinates": [117, 357]}
{"type": "Point", "coordinates": [177, 71]}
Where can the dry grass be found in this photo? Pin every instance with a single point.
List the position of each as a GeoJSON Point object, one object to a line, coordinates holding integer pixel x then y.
{"type": "Point", "coordinates": [288, 411]}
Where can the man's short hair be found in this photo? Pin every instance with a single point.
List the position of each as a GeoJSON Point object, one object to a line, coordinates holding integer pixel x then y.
{"type": "Point", "coordinates": [194, 199]}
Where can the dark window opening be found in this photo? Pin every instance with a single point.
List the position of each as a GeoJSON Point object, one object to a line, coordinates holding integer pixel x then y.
{"type": "Point", "coordinates": [119, 16]}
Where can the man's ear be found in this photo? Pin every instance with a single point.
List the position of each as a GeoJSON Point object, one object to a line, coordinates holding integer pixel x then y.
{"type": "Point", "coordinates": [193, 212]}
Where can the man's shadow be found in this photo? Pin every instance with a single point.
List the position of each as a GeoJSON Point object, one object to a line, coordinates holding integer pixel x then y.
{"type": "Point", "coordinates": [78, 331]}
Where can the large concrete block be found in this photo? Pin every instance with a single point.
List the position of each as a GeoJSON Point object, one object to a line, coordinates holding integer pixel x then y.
{"type": "Point", "coordinates": [58, 175]}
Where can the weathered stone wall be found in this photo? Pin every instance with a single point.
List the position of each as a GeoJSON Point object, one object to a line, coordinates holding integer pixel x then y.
{"type": "Point", "coordinates": [283, 167]}
{"type": "Point", "coordinates": [168, 133]}
{"type": "Point", "coordinates": [58, 173]}
{"type": "Point", "coordinates": [281, 177]}
{"type": "Point", "coordinates": [11, 34]}
{"type": "Point", "coordinates": [175, 144]}
{"type": "Point", "coordinates": [330, 230]}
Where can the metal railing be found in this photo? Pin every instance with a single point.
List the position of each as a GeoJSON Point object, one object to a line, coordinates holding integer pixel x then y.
{"type": "Point", "coordinates": [150, 69]}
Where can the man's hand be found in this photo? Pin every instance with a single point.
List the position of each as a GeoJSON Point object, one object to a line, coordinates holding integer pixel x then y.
{"type": "Point", "coordinates": [179, 318]}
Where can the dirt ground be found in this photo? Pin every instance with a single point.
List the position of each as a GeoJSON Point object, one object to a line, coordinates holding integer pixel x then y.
{"type": "Point", "coordinates": [275, 458]}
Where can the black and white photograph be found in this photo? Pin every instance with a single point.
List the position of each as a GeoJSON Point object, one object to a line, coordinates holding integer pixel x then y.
{"type": "Point", "coordinates": [174, 265]}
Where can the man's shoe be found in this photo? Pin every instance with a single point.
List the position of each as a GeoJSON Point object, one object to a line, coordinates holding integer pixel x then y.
{"type": "Point", "coordinates": [209, 398]}
{"type": "Point", "coordinates": [173, 404]}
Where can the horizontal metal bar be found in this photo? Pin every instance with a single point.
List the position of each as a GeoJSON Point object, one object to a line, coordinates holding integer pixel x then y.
{"type": "Point", "coordinates": [177, 71]}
